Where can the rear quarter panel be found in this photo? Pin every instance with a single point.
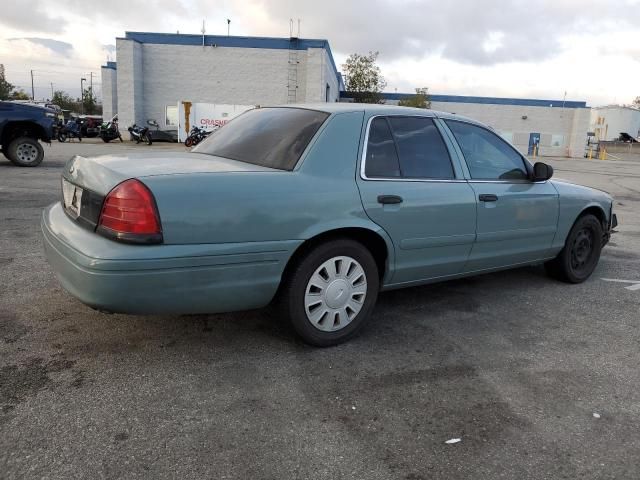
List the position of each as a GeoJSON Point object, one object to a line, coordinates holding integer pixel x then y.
{"type": "Point", "coordinates": [319, 195]}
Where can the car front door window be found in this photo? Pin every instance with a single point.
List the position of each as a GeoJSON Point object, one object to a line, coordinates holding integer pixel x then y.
{"type": "Point", "coordinates": [487, 155]}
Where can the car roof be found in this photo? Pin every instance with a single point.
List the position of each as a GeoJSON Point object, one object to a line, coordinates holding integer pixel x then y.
{"type": "Point", "coordinates": [378, 109]}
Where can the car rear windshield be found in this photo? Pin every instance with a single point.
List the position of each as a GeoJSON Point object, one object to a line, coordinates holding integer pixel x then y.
{"type": "Point", "coordinates": [270, 137]}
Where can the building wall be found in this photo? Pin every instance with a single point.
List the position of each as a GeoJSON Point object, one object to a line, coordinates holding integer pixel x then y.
{"type": "Point", "coordinates": [320, 74]}
{"type": "Point", "coordinates": [563, 131]}
{"type": "Point", "coordinates": [109, 92]}
{"type": "Point", "coordinates": [130, 83]}
{"type": "Point", "coordinates": [166, 74]}
{"type": "Point", "coordinates": [608, 122]}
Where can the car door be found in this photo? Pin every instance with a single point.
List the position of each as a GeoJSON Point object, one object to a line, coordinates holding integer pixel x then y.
{"type": "Point", "coordinates": [411, 188]}
{"type": "Point", "coordinates": [517, 218]}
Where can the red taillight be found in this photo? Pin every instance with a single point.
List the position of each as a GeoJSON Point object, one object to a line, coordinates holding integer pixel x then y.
{"type": "Point", "coordinates": [129, 213]}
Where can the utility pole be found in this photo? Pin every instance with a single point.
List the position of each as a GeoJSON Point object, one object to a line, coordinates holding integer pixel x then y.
{"type": "Point", "coordinates": [228, 26]}
{"type": "Point", "coordinates": [33, 92]}
{"type": "Point", "coordinates": [82, 80]}
{"type": "Point", "coordinates": [91, 81]}
{"type": "Point", "coordinates": [51, 90]}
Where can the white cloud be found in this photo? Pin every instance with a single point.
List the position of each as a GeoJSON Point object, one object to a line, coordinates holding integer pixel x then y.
{"type": "Point", "coordinates": [538, 48]}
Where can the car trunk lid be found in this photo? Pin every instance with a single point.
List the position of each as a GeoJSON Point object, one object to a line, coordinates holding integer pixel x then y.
{"type": "Point", "coordinates": [86, 181]}
{"type": "Point", "coordinates": [100, 174]}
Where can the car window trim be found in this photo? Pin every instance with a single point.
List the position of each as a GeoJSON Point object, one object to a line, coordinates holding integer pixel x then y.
{"type": "Point", "coordinates": [363, 159]}
{"type": "Point", "coordinates": [525, 161]}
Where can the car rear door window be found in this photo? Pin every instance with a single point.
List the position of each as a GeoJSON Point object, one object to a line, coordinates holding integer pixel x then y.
{"type": "Point", "coordinates": [382, 159]}
{"type": "Point", "coordinates": [422, 152]}
{"type": "Point", "coordinates": [269, 137]}
{"type": "Point", "coordinates": [487, 155]}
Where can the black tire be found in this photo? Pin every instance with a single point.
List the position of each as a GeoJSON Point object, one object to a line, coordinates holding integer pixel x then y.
{"type": "Point", "coordinates": [579, 257]}
{"type": "Point", "coordinates": [62, 137]}
{"type": "Point", "coordinates": [291, 299]}
{"type": "Point", "coordinates": [147, 138]}
{"type": "Point", "coordinates": [105, 139]}
{"type": "Point", "coordinates": [25, 152]}
{"type": "Point", "coordinates": [188, 142]}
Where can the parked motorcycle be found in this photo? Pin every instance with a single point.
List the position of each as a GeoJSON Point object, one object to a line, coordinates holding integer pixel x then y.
{"type": "Point", "coordinates": [196, 136]}
{"type": "Point", "coordinates": [68, 131]}
{"type": "Point", "coordinates": [140, 134]}
{"type": "Point", "coordinates": [110, 131]}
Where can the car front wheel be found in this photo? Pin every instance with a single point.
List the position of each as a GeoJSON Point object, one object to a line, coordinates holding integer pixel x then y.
{"type": "Point", "coordinates": [25, 152]}
{"type": "Point", "coordinates": [331, 292]}
{"type": "Point", "coordinates": [579, 257]}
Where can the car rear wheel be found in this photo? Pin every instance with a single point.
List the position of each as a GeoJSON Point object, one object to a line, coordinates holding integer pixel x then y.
{"type": "Point", "coordinates": [25, 152]}
{"type": "Point", "coordinates": [331, 292]}
{"type": "Point", "coordinates": [579, 257]}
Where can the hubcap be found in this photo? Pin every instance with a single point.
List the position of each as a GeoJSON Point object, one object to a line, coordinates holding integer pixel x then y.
{"type": "Point", "coordinates": [27, 153]}
{"type": "Point", "coordinates": [582, 248]}
{"type": "Point", "coordinates": [335, 294]}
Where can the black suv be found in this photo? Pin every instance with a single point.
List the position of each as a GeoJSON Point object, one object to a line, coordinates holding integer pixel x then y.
{"type": "Point", "coordinates": [21, 126]}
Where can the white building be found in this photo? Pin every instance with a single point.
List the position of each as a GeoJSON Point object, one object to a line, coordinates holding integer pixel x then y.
{"type": "Point", "coordinates": [555, 127]}
{"type": "Point", "coordinates": [155, 71]}
{"type": "Point", "coordinates": [608, 122]}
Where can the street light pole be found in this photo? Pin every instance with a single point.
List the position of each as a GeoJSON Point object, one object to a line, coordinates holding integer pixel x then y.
{"type": "Point", "coordinates": [82, 80]}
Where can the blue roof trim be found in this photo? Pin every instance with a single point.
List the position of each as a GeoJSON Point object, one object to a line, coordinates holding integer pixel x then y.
{"type": "Point", "coordinates": [274, 43]}
{"type": "Point", "coordinates": [525, 102]}
{"type": "Point", "coordinates": [111, 65]}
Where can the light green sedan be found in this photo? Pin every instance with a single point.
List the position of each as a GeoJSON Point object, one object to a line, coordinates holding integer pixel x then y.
{"type": "Point", "coordinates": [315, 208]}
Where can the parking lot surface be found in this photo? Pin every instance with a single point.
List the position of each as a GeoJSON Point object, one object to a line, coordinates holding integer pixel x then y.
{"type": "Point", "coordinates": [538, 379]}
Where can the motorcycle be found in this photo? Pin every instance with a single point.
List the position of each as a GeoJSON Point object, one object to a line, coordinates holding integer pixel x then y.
{"type": "Point", "coordinates": [68, 131]}
{"type": "Point", "coordinates": [140, 134]}
{"type": "Point", "coordinates": [196, 136]}
{"type": "Point", "coordinates": [110, 131]}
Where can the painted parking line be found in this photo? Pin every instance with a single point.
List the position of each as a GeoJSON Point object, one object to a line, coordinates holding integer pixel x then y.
{"type": "Point", "coordinates": [635, 284]}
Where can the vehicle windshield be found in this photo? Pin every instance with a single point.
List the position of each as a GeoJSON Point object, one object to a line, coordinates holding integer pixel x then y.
{"type": "Point", "coordinates": [269, 137]}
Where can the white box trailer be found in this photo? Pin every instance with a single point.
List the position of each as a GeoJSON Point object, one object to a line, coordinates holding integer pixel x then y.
{"type": "Point", "coordinates": [205, 115]}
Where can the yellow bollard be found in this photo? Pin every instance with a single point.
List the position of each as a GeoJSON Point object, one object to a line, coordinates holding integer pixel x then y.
{"type": "Point", "coordinates": [590, 153]}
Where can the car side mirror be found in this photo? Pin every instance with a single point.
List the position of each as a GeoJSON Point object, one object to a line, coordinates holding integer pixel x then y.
{"type": "Point", "coordinates": [542, 172]}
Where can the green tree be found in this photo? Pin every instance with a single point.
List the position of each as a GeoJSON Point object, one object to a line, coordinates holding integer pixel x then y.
{"type": "Point", "coordinates": [64, 100]}
{"type": "Point", "coordinates": [364, 80]}
{"type": "Point", "coordinates": [19, 95]}
{"type": "Point", "coordinates": [90, 103]}
{"type": "Point", "coordinates": [636, 102]}
{"type": "Point", "coordinates": [420, 100]}
{"type": "Point", "coordinates": [5, 88]}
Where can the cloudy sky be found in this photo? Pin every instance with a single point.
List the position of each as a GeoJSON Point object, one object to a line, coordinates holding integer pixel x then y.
{"type": "Point", "coordinates": [517, 48]}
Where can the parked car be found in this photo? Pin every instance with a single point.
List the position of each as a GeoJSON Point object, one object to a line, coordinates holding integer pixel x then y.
{"type": "Point", "coordinates": [21, 126]}
{"type": "Point", "coordinates": [317, 209]}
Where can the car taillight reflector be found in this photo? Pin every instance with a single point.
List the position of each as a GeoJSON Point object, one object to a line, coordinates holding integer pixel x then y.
{"type": "Point", "coordinates": [129, 213]}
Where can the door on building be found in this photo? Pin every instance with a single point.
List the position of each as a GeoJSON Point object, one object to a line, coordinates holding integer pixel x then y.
{"type": "Point", "coordinates": [517, 217]}
{"type": "Point", "coordinates": [534, 142]}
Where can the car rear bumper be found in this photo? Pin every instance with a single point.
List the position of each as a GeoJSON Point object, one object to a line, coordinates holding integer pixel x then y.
{"type": "Point", "coordinates": [178, 279]}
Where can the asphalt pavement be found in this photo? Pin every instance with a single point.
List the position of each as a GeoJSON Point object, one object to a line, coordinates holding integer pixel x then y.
{"type": "Point", "coordinates": [538, 379]}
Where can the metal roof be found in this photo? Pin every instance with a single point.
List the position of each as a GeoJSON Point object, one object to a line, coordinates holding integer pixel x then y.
{"type": "Point", "coordinates": [527, 102]}
{"type": "Point", "coordinates": [273, 43]}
